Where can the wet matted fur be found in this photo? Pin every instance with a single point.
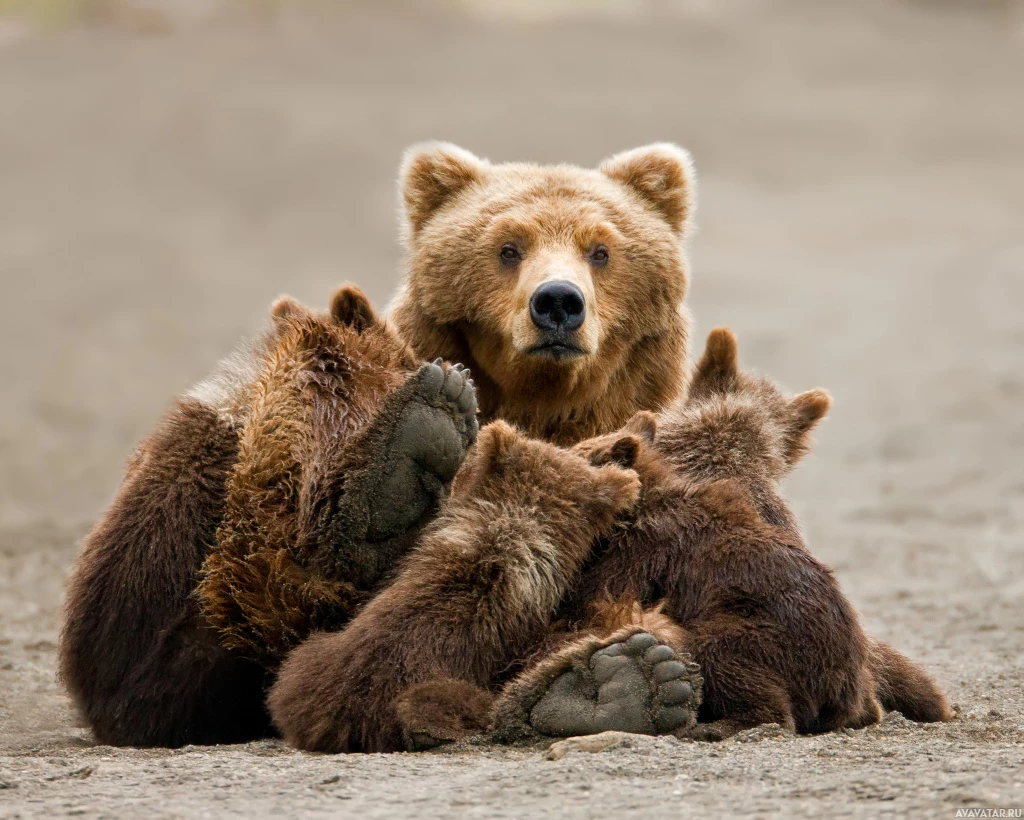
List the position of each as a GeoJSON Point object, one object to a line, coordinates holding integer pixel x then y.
{"type": "Point", "coordinates": [316, 451]}
{"type": "Point", "coordinates": [134, 653]}
{"type": "Point", "coordinates": [345, 454]}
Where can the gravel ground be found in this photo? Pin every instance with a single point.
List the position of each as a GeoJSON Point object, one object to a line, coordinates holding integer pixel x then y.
{"type": "Point", "coordinates": [164, 176]}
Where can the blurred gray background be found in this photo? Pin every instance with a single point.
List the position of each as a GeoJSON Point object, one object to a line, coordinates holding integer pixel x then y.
{"type": "Point", "coordinates": [168, 167]}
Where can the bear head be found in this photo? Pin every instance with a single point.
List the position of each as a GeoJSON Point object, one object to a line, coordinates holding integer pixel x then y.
{"type": "Point", "coordinates": [338, 366]}
{"type": "Point", "coordinates": [562, 287]}
{"type": "Point", "coordinates": [558, 486]}
{"type": "Point", "coordinates": [733, 425]}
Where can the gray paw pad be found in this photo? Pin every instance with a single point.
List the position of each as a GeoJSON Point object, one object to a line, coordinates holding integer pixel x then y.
{"type": "Point", "coordinates": [638, 685]}
{"type": "Point", "coordinates": [426, 446]}
{"type": "Point", "coordinates": [431, 378]}
{"type": "Point", "coordinates": [439, 422]}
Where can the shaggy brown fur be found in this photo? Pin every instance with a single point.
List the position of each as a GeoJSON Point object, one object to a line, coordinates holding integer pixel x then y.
{"type": "Point", "coordinates": [134, 653]}
{"type": "Point", "coordinates": [346, 450]}
{"type": "Point", "coordinates": [256, 590]}
{"type": "Point", "coordinates": [475, 595]}
{"type": "Point", "coordinates": [442, 710]}
{"type": "Point", "coordinates": [322, 447]}
{"type": "Point", "coordinates": [482, 238]}
{"type": "Point", "coordinates": [902, 686]}
{"type": "Point", "coordinates": [774, 636]}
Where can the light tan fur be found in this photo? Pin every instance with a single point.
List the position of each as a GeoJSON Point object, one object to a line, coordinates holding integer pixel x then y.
{"type": "Point", "coordinates": [461, 302]}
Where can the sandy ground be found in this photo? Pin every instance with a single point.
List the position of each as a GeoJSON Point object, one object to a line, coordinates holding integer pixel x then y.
{"type": "Point", "coordinates": [862, 196]}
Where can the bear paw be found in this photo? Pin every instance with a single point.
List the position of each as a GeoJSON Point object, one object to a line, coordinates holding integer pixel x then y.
{"type": "Point", "coordinates": [442, 711]}
{"type": "Point", "coordinates": [638, 685]}
{"type": "Point", "coordinates": [433, 424]}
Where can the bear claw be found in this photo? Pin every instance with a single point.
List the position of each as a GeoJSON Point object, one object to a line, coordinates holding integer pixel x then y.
{"type": "Point", "coordinates": [639, 685]}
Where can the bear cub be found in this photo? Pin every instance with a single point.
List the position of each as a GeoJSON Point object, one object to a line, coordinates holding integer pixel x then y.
{"type": "Point", "coordinates": [473, 597]}
{"type": "Point", "coordinates": [284, 487]}
{"type": "Point", "coordinates": [711, 539]}
{"type": "Point", "coordinates": [347, 448]}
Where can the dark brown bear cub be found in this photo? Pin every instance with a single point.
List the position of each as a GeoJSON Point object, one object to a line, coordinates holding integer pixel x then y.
{"type": "Point", "coordinates": [775, 638]}
{"type": "Point", "coordinates": [326, 428]}
{"type": "Point", "coordinates": [475, 595]}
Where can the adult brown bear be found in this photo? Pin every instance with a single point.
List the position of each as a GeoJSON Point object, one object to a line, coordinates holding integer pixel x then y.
{"type": "Point", "coordinates": [562, 288]}
{"type": "Point", "coordinates": [583, 326]}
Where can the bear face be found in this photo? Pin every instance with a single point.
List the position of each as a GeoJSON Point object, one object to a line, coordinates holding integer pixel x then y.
{"type": "Point", "coordinates": [319, 355]}
{"type": "Point", "coordinates": [561, 287]}
{"type": "Point", "coordinates": [738, 425]}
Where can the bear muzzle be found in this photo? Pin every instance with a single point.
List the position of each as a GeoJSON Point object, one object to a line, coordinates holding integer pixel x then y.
{"type": "Point", "coordinates": [558, 309]}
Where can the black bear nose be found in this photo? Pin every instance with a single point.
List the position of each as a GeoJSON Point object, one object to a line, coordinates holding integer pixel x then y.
{"type": "Point", "coordinates": [558, 306]}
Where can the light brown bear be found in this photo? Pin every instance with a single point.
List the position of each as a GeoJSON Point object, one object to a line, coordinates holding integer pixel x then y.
{"type": "Point", "coordinates": [328, 444]}
{"type": "Point", "coordinates": [561, 287]}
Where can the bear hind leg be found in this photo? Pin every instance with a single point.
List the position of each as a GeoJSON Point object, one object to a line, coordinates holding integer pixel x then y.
{"type": "Point", "coordinates": [425, 436]}
{"type": "Point", "coordinates": [634, 685]}
{"type": "Point", "coordinates": [904, 687]}
{"type": "Point", "coordinates": [767, 702]}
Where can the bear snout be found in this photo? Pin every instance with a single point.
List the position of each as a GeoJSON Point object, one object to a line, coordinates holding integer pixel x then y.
{"type": "Point", "coordinates": [558, 306]}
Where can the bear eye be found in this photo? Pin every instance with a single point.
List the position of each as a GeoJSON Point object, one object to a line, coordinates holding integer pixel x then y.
{"type": "Point", "coordinates": [510, 254]}
{"type": "Point", "coordinates": [599, 256]}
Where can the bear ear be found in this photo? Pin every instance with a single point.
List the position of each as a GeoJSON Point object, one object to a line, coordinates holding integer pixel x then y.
{"type": "Point", "coordinates": [805, 411]}
{"type": "Point", "coordinates": [624, 452]}
{"type": "Point", "coordinates": [620, 449]}
{"type": "Point", "coordinates": [431, 174]}
{"type": "Point", "coordinates": [717, 371]}
{"type": "Point", "coordinates": [662, 174]}
{"type": "Point", "coordinates": [644, 425]}
{"type": "Point", "coordinates": [350, 307]}
{"type": "Point", "coordinates": [487, 458]}
{"type": "Point", "coordinates": [284, 309]}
